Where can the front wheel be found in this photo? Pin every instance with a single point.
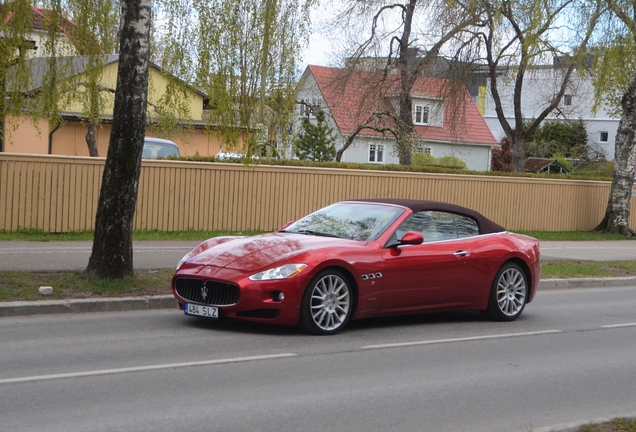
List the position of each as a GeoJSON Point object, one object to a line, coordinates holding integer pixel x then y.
{"type": "Point", "coordinates": [508, 293]}
{"type": "Point", "coordinates": [326, 304]}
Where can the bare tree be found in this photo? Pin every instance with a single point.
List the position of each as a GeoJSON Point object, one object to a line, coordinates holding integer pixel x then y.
{"type": "Point", "coordinates": [517, 40]}
{"type": "Point", "coordinates": [112, 255]}
{"type": "Point", "coordinates": [411, 41]}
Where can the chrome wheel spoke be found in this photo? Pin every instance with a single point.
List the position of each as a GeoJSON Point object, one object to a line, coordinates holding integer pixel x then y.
{"type": "Point", "coordinates": [511, 291]}
{"type": "Point", "coordinates": [330, 302]}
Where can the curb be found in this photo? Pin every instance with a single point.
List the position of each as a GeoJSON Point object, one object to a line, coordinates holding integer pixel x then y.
{"type": "Point", "coordinates": [119, 304]}
{"type": "Point", "coordinates": [19, 308]}
{"type": "Point", "coordinates": [586, 282]}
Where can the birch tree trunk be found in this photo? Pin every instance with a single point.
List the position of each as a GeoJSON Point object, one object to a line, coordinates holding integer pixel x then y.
{"type": "Point", "coordinates": [616, 218]}
{"type": "Point", "coordinates": [112, 255]}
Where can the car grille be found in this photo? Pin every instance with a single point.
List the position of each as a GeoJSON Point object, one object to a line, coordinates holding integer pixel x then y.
{"type": "Point", "coordinates": [216, 293]}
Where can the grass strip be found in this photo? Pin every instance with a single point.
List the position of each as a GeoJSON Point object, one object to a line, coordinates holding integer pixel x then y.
{"type": "Point", "coordinates": [24, 286]}
{"type": "Point", "coordinates": [615, 425]}
{"type": "Point", "coordinates": [574, 236]}
{"type": "Point", "coordinates": [576, 269]}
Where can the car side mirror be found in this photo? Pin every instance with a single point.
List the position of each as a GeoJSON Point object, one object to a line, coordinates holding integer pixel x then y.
{"type": "Point", "coordinates": [412, 238]}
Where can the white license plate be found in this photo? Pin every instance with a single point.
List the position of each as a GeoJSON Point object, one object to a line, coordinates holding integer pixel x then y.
{"type": "Point", "coordinates": [198, 310]}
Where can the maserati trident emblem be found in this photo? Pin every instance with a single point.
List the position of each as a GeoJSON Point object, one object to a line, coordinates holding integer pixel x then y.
{"type": "Point", "coordinates": [204, 292]}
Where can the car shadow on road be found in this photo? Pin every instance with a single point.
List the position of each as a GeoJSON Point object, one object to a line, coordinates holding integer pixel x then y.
{"type": "Point", "coordinates": [416, 319]}
{"type": "Point", "coordinates": [239, 326]}
{"type": "Point", "coordinates": [247, 327]}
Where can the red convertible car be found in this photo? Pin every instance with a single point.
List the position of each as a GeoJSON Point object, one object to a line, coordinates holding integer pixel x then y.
{"type": "Point", "coordinates": [361, 259]}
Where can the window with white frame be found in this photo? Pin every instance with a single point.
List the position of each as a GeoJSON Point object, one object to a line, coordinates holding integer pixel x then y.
{"type": "Point", "coordinates": [603, 137]}
{"type": "Point", "coordinates": [426, 150]}
{"type": "Point", "coordinates": [567, 100]}
{"type": "Point", "coordinates": [376, 153]}
{"type": "Point", "coordinates": [420, 114]}
{"type": "Point", "coordinates": [308, 108]}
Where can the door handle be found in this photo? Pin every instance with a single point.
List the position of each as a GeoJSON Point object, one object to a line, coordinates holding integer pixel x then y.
{"type": "Point", "coordinates": [460, 254]}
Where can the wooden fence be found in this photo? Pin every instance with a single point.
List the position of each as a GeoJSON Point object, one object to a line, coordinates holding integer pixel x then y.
{"type": "Point", "coordinates": [59, 194]}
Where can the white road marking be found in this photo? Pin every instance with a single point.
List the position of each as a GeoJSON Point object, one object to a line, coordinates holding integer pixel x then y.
{"type": "Point", "coordinates": [619, 325]}
{"type": "Point", "coordinates": [144, 368]}
{"type": "Point", "coordinates": [464, 339]}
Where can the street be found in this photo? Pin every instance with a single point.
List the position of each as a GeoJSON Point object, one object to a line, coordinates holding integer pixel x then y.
{"type": "Point", "coordinates": [74, 255]}
{"type": "Point", "coordinates": [568, 359]}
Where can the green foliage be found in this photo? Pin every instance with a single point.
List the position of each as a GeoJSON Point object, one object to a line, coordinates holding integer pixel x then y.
{"type": "Point", "coordinates": [215, 46]}
{"type": "Point", "coordinates": [45, 82]}
{"type": "Point", "coordinates": [23, 286]}
{"type": "Point", "coordinates": [613, 71]}
{"type": "Point", "coordinates": [452, 162]}
{"type": "Point", "coordinates": [425, 159]}
{"type": "Point", "coordinates": [15, 27]}
{"type": "Point", "coordinates": [567, 139]}
{"type": "Point", "coordinates": [316, 141]}
{"type": "Point", "coordinates": [244, 54]}
{"type": "Point", "coordinates": [573, 235]}
{"type": "Point", "coordinates": [597, 170]}
{"type": "Point", "coordinates": [597, 174]}
{"type": "Point", "coordinates": [572, 269]}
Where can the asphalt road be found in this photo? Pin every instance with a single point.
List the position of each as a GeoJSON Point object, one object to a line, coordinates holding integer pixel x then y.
{"type": "Point", "coordinates": [48, 256]}
{"type": "Point", "coordinates": [568, 359]}
{"type": "Point", "coordinates": [74, 255]}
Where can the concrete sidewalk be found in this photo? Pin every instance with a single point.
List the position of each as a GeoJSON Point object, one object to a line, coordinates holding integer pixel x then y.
{"type": "Point", "coordinates": [118, 304]}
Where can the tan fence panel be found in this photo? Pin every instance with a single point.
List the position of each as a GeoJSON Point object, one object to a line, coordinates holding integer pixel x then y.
{"type": "Point", "coordinates": [60, 193]}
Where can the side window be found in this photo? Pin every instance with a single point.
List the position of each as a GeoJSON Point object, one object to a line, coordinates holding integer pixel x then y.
{"type": "Point", "coordinates": [433, 225]}
{"type": "Point", "coordinates": [445, 225]}
{"type": "Point", "coordinates": [466, 227]}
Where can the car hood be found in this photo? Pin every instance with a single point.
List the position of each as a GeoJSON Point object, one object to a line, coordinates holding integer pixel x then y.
{"type": "Point", "coordinates": [258, 252]}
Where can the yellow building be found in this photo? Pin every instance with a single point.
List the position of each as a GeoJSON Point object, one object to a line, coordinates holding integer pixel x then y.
{"type": "Point", "coordinates": [23, 135]}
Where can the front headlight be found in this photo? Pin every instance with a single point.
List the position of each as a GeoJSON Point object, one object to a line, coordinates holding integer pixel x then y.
{"type": "Point", "coordinates": [286, 271]}
{"type": "Point", "coordinates": [184, 259]}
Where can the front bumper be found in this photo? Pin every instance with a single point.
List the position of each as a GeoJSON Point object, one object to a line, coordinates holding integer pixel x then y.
{"type": "Point", "coordinates": [257, 300]}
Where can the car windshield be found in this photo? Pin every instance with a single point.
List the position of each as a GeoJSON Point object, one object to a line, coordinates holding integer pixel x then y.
{"type": "Point", "coordinates": [353, 221]}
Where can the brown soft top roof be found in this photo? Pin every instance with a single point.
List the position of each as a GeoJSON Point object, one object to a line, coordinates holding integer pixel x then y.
{"type": "Point", "coordinates": [486, 226]}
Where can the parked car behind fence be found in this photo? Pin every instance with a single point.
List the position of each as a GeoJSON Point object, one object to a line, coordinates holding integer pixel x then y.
{"type": "Point", "coordinates": [156, 147]}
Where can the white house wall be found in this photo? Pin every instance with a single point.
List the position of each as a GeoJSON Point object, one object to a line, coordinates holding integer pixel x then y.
{"type": "Point", "coordinates": [310, 91]}
{"type": "Point", "coordinates": [63, 47]}
{"type": "Point", "coordinates": [477, 157]}
{"type": "Point", "coordinates": [538, 89]}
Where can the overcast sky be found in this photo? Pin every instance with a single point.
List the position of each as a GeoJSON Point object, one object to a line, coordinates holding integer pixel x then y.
{"type": "Point", "coordinates": [316, 53]}
{"type": "Point", "coordinates": [319, 44]}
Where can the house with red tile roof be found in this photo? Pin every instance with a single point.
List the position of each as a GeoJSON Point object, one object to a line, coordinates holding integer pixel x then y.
{"type": "Point", "coordinates": [365, 104]}
{"type": "Point", "coordinates": [41, 21]}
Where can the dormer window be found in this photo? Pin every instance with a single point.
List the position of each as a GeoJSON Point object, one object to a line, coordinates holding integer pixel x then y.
{"type": "Point", "coordinates": [420, 114]}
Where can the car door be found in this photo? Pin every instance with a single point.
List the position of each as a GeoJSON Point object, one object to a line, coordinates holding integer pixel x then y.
{"type": "Point", "coordinates": [433, 274]}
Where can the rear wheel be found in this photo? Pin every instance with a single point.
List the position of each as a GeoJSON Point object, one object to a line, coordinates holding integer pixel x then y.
{"type": "Point", "coordinates": [508, 293]}
{"type": "Point", "coordinates": [326, 304]}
